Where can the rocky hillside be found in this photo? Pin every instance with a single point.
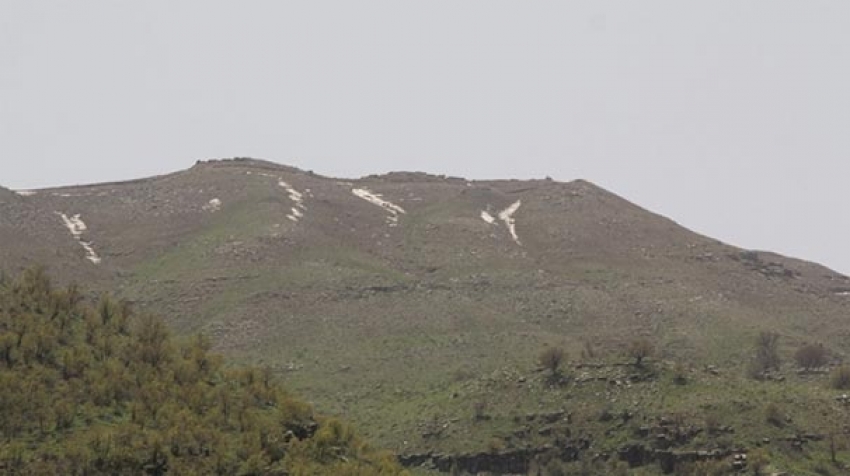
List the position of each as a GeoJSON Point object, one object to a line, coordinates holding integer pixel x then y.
{"type": "Point", "coordinates": [403, 296]}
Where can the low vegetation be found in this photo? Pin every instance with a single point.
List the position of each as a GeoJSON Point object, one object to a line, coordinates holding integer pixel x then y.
{"type": "Point", "coordinates": [100, 390]}
{"type": "Point", "coordinates": [551, 359]}
{"type": "Point", "coordinates": [617, 416]}
{"type": "Point", "coordinates": [811, 356]}
{"type": "Point", "coordinates": [640, 349]}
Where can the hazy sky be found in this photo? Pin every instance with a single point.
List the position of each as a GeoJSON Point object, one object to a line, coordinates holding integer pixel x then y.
{"type": "Point", "coordinates": [731, 117]}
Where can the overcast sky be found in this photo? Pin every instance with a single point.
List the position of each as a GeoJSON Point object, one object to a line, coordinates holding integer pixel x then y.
{"type": "Point", "coordinates": [731, 117]}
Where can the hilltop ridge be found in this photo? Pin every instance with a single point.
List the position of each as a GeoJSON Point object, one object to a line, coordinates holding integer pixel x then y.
{"type": "Point", "coordinates": [247, 162]}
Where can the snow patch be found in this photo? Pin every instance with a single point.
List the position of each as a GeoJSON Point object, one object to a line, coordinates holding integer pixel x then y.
{"type": "Point", "coordinates": [487, 217]}
{"type": "Point", "coordinates": [26, 193]}
{"type": "Point", "coordinates": [377, 199]}
{"type": "Point", "coordinates": [297, 211]}
{"type": "Point", "coordinates": [213, 205]}
{"type": "Point", "coordinates": [507, 216]}
{"type": "Point", "coordinates": [296, 197]}
{"type": "Point", "coordinates": [77, 227]}
{"type": "Point", "coordinates": [91, 255]}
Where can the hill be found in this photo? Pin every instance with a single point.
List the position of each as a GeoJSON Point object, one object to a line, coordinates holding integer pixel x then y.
{"type": "Point", "coordinates": [6, 195]}
{"type": "Point", "coordinates": [406, 299]}
{"type": "Point", "coordinates": [102, 391]}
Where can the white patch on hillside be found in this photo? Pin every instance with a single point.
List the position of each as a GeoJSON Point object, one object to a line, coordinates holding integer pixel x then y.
{"type": "Point", "coordinates": [91, 255]}
{"type": "Point", "coordinates": [213, 205]}
{"type": "Point", "coordinates": [77, 227]}
{"type": "Point", "coordinates": [377, 199]}
{"type": "Point", "coordinates": [296, 197]}
{"type": "Point", "coordinates": [262, 174]}
{"type": "Point", "coordinates": [487, 217]}
{"type": "Point", "coordinates": [26, 193]}
{"type": "Point", "coordinates": [507, 216]}
{"type": "Point", "coordinates": [297, 211]}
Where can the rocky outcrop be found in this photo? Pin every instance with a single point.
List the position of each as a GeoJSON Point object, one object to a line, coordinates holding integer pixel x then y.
{"type": "Point", "coordinates": [302, 430]}
{"type": "Point", "coordinates": [517, 461]}
{"type": "Point", "coordinates": [512, 461]}
{"type": "Point", "coordinates": [754, 262]}
{"type": "Point", "coordinates": [640, 455]}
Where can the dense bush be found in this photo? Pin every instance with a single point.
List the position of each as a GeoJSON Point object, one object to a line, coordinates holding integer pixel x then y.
{"type": "Point", "coordinates": [811, 356]}
{"type": "Point", "coordinates": [103, 391]}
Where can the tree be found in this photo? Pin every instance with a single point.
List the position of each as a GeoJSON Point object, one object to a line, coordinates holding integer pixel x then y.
{"type": "Point", "coordinates": [640, 349]}
{"type": "Point", "coordinates": [811, 356]}
{"type": "Point", "coordinates": [766, 356]}
{"type": "Point", "coordinates": [551, 358]}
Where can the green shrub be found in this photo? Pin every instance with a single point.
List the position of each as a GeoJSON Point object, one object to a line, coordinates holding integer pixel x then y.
{"type": "Point", "coordinates": [106, 391]}
{"type": "Point", "coordinates": [773, 415]}
{"type": "Point", "coordinates": [551, 359]}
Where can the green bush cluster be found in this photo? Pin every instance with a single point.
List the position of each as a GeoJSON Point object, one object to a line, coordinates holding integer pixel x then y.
{"type": "Point", "coordinates": [100, 390]}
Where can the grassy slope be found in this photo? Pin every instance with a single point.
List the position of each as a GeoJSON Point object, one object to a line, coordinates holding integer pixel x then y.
{"type": "Point", "coordinates": [431, 357]}
{"type": "Point", "coordinates": [396, 325]}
